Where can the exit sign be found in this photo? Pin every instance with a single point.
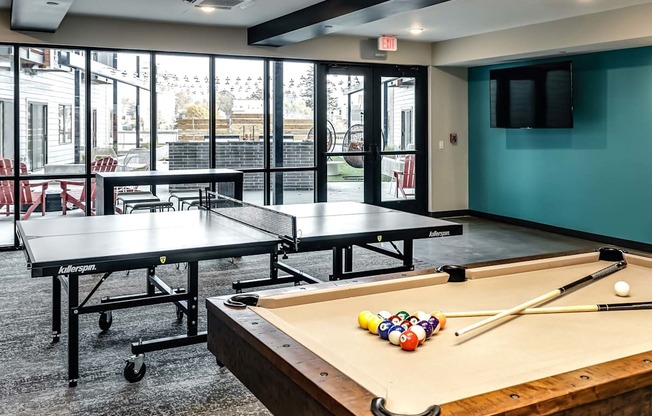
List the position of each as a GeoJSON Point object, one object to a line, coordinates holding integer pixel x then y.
{"type": "Point", "coordinates": [387, 43]}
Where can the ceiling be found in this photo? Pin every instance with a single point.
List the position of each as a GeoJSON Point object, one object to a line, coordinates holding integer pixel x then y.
{"type": "Point", "coordinates": [449, 20]}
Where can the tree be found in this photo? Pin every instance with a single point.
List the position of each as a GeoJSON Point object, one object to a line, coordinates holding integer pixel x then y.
{"type": "Point", "coordinates": [307, 87]}
{"type": "Point", "coordinates": [197, 111]}
{"type": "Point", "coordinates": [224, 102]}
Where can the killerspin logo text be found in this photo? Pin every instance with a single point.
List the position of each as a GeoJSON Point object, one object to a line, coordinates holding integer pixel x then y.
{"type": "Point", "coordinates": [77, 269]}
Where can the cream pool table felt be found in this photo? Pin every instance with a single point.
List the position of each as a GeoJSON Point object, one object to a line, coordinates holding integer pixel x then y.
{"type": "Point", "coordinates": [300, 350]}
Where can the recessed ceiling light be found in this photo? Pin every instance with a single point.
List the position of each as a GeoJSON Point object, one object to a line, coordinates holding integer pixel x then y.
{"type": "Point", "coordinates": [207, 9]}
{"type": "Point", "coordinates": [416, 30]}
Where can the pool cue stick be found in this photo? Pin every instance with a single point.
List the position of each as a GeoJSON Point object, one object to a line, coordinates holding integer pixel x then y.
{"type": "Point", "coordinates": [599, 307]}
{"type": "Point", "coordinates": [546, 296]}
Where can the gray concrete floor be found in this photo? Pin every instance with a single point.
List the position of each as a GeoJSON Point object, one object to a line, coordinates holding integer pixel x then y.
{"type": "Point", "coordinates": [485, 240]}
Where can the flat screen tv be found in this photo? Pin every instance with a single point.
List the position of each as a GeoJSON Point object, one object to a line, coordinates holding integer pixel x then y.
{"type": "Point", "coordinates": [532, 96]}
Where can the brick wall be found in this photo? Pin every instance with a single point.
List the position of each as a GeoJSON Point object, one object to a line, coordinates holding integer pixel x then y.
{"type": "Point", "coordinates": [245, 154]}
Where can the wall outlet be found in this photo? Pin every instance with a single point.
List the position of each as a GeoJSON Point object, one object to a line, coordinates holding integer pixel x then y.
{"type": "Point", "coordinates": [441, 145]}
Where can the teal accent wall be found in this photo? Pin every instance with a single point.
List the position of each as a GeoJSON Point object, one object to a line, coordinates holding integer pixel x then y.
{"type": "Point", "coordinates": [595, 177]}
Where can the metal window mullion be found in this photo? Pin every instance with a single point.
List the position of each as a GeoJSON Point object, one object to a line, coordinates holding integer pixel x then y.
{"type": "Point", "coordinates": [267, 176]}
{"type": "Point", "coordinates": [212, 118]}
{"type": "Point", "coordinates": [17, 107]}
{"type": "Point", "coordinates": [87, 129]}
{"type": "Point", "coordinates": [153, 110]}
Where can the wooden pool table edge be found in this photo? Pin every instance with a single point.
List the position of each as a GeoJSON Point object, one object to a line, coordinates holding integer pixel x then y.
{"type": "Point", "coordinates": [284, 375]}
{"type": "Point", "coordinates": [278, 370]}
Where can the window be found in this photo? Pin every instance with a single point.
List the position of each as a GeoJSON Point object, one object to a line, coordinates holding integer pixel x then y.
{"type": "Point", "coordinates": [37, 137]}
{"type": "Point", "coordinates": [65, 123]}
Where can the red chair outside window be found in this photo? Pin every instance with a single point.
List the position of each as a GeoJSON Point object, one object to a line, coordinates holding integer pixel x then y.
{"type": "Point", "coordinates": [74, 192]}
{"type": "Point", "coordinates": [31, 195]}
{"type": "Point", "coordinates": [405, 178]}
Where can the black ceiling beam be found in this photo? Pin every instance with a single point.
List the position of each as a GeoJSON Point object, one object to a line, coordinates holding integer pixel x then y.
{"type": "Point", "coordinates": [327, 17]}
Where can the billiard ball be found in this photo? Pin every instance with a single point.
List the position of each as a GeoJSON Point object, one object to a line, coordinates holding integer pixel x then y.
{"type": "Point", "coordinates": [413, 319]}
{"type": "Point", "coordinates": [363, 319]}
{"type": "Point", "coordinates": [384, 327]}
{"type": "Point", "coordinates": [395, 319]}
{"type": "Point", "coordinates": [622, 289]}
{"type": "Point", "coordinates": [441, 317]}
{"type": "Point", "coordinates": [374, 323]}
{"type": "Point", "coordinates": [395, 333]}
{"type": "Point", "coordinates": [409, 341]}
{"type": "Point", "coordinates": [436, 324]}
{"type": "Point", "coordinates": [384, 314]}
{"type": "Point", "coordinates": [402, 314]}
{"type": "Point", "coordinates": [422, 316]}
{"type": "Point", "coordinates": [406, 324]}
{"type": "Point", "coordinates": [420, 332]}
{"type": "Point", "coordinates": [427, 326]}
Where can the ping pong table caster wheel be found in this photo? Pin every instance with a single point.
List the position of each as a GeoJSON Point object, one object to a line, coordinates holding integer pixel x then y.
{"type": "Point", "coordinates": [179, 315]}
{"type": "Point", "coordinates": [135, 368]}
{"type": "Point", "coordinates": [106, 319]}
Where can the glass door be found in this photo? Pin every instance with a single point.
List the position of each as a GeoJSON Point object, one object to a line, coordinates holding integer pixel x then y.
{"type": "Point", "coordinates": [346, 139]}
{"type": "Point", "coordinates": [398, 147]}
{"type": "Point", "coordinates": [372, 135]}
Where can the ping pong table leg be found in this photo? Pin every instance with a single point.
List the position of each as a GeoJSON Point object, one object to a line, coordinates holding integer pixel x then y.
{"type": "Point", "coordinates": [342, 262]}
{"type": "Point", "coordinates": [73, 329]}
{"type": "Point", "coordinates": [151, 288]}
{"type": "Point", "coordinates": [193, 297]}
{"type": "Point", "coordinates": [273, 270]}
{"type": "Point", "coordinates": [337, 264]}
{"type": "Point", "coordinates": [348, 258]}
{"type": "Point", "coordinates": [408, 253]}
{"type": "Point", "coordinates": [56, 309]}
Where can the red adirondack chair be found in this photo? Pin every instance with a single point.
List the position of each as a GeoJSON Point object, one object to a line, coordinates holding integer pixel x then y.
{"type": "Point", "coordinates": [31, 194]}
{"type": "Point", "coordinates": [405, 178]}
{"type": "Point", "coordinates": [74, 192]}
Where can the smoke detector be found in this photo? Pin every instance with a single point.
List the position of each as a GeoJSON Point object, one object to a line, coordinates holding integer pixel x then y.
{"type": "Point", "coordinates": [216, 4]}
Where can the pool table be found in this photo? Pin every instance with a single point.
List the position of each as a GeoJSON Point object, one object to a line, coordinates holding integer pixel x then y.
{"type": "Point", "coordinates": [301, 352]}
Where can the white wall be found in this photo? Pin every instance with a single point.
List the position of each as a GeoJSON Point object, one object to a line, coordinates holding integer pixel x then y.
{"type": "Point", "coordinates": [448, 114]}
{"type": "Point", "coordinates": [616, 29]}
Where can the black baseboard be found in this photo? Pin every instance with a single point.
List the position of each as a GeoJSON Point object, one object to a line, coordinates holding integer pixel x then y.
{"type": "Point", "coordinates": [619, 242]}
{"type": "Point", "coordinates": [445, 214]}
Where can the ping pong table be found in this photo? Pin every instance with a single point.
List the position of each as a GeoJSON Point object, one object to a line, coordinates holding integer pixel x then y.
{"type": "Point", "coordinates": [64, 250]}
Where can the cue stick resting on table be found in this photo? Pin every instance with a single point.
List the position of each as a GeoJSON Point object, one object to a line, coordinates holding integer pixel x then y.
{"type": "Point", "coordinates": [546, 296]}
{"type": "Point", "coordinates": [598, 307]}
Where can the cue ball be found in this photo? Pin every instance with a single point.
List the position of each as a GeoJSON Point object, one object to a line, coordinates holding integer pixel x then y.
{"type": "Point", "coordinates": [622, 289]}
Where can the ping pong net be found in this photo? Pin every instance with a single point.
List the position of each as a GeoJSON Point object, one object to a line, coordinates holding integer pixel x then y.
{"type": "Point", "coordinates": [259, 217]}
